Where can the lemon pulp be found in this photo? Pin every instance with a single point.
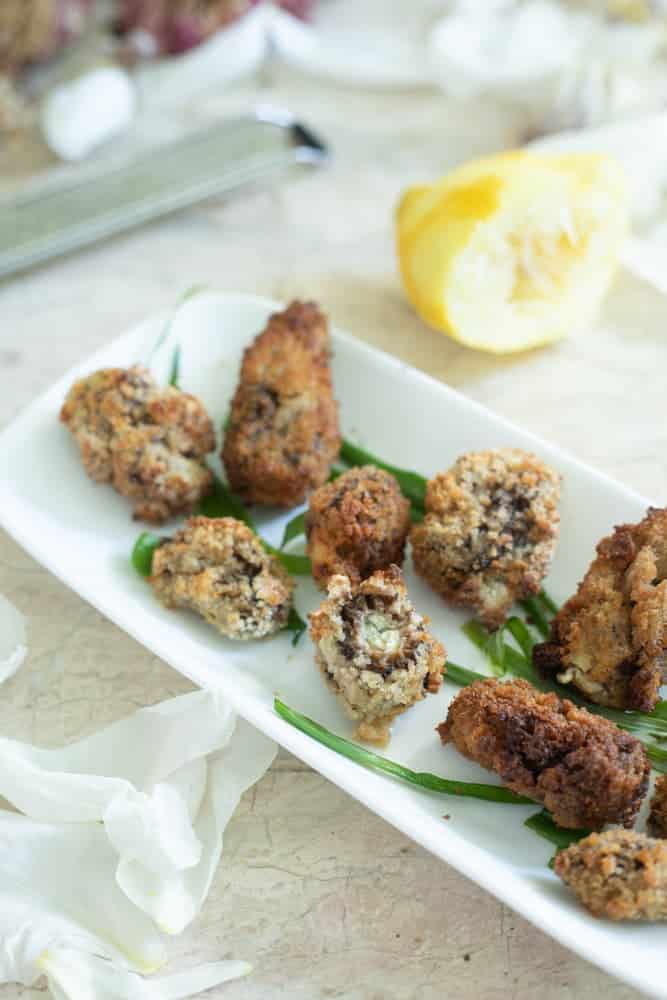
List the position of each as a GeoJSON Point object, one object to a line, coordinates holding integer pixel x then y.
{"type": "Point", "coordinates": [514, 250]}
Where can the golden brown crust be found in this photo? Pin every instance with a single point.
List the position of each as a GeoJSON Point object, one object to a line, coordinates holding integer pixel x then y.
{"type": "Point", "coordinates": [218, 568]}
{"type": "Point", "coordinates": [610, 638]}
{"type": "Point", "coordinates": [581, 767]}
{"type": "Point", "coordinates": [356, 525]}
{"type": "Point", "coordinates": [490, 531]}
{"type": "Point", "coordinates": [618, 874]}
{"type": "Point", "coordinates": [283, 432]}
{"type": "Point", "coordinates": [149, 442]}
{"type": "Point", "coordinates": [375, 651]}
{"type": "Point", "coordinates": [657, 820]}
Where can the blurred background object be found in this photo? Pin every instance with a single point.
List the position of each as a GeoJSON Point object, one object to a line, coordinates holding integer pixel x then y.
{"type": "Point", "coordinates": [34, 30]}
{"type": "Point", "coordinates": [169, 27]}
{"type": "Point", "coordinates": [569, 63]}
{"type": "Point", "coordinates": [565, 63]}
{"type": "Point", "coordinates": [107, 81]}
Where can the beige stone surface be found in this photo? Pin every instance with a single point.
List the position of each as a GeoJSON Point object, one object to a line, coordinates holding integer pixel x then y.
{"type": "Point", "coordinates": [323, 897]}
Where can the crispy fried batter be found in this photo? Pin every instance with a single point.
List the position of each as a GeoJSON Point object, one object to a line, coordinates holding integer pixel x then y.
{"type": "Point", "coordinates": [581, 767]}
{"type": "Point", "coordinates": [150, 443]}
{"type": "Point", "coordinates": [490, 531]}
{"type": "Point", "coordinates": [618, 874]}
{"type": "Point", "coordinates": [356, 525]}
{"type": "Point", "coordinates": [218, 568]}
{"type": "Point", "coordinates": [610, 638]}
{"type": "Point", "coordinates": [375, 651]}
{"type": "Point", "coordinates": [283, 432]}
{"type": "Point", "coordinates": [657, 820]}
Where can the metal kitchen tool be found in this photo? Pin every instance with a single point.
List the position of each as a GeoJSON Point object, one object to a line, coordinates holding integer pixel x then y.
{"type": "Point", "coordinates": [45, 222]}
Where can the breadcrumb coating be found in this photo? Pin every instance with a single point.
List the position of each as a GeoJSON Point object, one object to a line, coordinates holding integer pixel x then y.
{"type": "Point", "coordinates": [618, 874]}
{"type": "Point", "coordinates": [581, 767]}
{"type": "Point", "coordinates": [283, 431]}
{"type": "Point", "coordinates": [657, 820]}
{"type": "Point", "coordinates": [375, 651]}
{"type": "Point", "coordinates": [218, 568]}
{"type": "Point", "coordinates": [490, 531]}
{"type": "Point", "coordinates": [610, 639]}
{"type": "Point", "coordinates": [356, 525]}
{"type": "Point", "coordinates": [149, 442]}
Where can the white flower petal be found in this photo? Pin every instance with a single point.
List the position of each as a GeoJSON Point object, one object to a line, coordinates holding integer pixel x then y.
{"type": "Point", "coordinates": [57, 886]}
{"type": "Point", "coordinates": [13, 646]}
{"type": "Point", "coordinates": [78, 782]}
{"type": "Point", "coordinates": [173, 900]}
{"type": "Point", "coordinates": [153, 743]}
{"type": "Point", "coordinates": [165, 783]}
{"type": "Point", "coordinates": [190, 781]}
{"type": "Point", "coordinates": [154, 830]}
{"type": "Point", "coordinates": [202, 977]}
{"type": "Point", "coordinates": [74, 975]}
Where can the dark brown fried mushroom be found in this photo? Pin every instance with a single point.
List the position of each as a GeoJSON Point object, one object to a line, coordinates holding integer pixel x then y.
{"type": "Point", "coordinates": [283, 430]}
{"type": "Point", "coordinates": [585, 770]}
{"type": "Point", "coordinates": [356, 525]}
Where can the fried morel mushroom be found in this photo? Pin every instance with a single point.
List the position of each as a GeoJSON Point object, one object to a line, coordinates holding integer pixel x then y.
{"type": "Point", "coordinates": [150, 443]}
{"type": "Point", "coordinates": [375, 651]}
{"type": "Point", "coordinates": [490, 531]}
{"type": "Point", "coordinates": [283, 431]}
{"type": "Point", "coordinates": [582, 768]}
{"type": "Point", "coordinates": [610, 639]}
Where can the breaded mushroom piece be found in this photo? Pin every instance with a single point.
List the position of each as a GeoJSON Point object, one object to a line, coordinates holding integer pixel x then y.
{"type": "Point", "coordinates": [218, 568]}
{"type": "Point", "coordinates": [581, 767]}
{"type": "Point", "coordinates": [283, 429]}
{"type": "Point", "coordinates": [356, 525]}
{"type": "Point", "coordinates": [618, 874]}
{"type": "Point", "coordinates": [657, 820]}
{"type": "Point", "coordinates": [490, 531]}
{"type": "Point", "coordinates": [610, 639]}
{"type": "Point", "coordinates": [149, 442]}
{"type": "Point", "coordinates": [375, 651]}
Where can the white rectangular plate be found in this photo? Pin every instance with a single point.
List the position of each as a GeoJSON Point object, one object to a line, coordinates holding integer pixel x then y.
{"type": "Point", "coordinates": [83, 533]}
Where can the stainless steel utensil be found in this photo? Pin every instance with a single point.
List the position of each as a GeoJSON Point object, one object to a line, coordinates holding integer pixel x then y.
{"type": "Point", "coordinates": [46, 222]}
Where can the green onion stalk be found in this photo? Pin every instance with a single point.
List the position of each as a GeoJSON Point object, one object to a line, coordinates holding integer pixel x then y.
{"type": "Point", "coordinates": [375, 762]}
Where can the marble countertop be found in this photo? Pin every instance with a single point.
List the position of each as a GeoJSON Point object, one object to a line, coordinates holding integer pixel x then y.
{"type": "Point", "coordinates": [323, 897]}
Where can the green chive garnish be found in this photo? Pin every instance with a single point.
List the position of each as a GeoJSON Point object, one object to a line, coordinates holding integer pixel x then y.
{"type": "Point", "coordinates": [543, 825]}
{"type": "Point", "coordinates": [296, 625]}
{"type": "Point", "coordinates": [221, 502]}
{"type": "Point", "coordinates": [536, 616]}
{"type": "Point", "coordinates": [375, 762]}
{"type": "Point", "coordinates": [413, 486]}
{"type": "Point", "coordinates": [142, 552]}
{"type": "Point", "coordinates": [175, 368]}
{"type": "Point", "coordinates": [293, 529]}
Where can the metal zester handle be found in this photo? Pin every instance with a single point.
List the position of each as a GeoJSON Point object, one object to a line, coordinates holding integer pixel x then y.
{"type": "Point", "coordinates": [35, 227]}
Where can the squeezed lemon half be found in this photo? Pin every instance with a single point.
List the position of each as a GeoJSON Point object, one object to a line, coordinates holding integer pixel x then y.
{"type": "Point", "coordinates": [514, 250]}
